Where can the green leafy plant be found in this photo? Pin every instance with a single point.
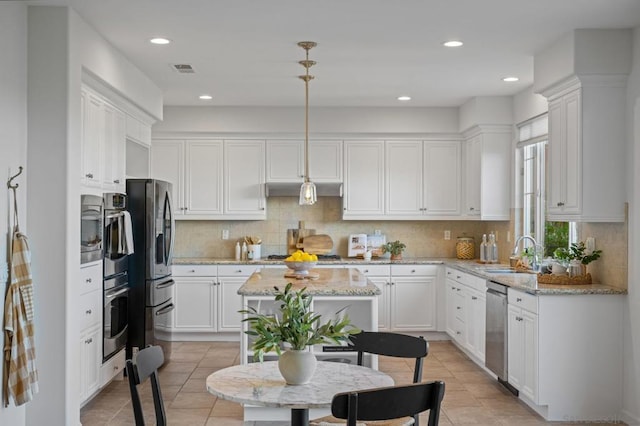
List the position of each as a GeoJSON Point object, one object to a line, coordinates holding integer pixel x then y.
{"type": "Point", "coordinates": [296, 325]}
{"type": "Point", "coordinates": [576, 251]}
{"type": "Point", "coordinates": [395, 247]}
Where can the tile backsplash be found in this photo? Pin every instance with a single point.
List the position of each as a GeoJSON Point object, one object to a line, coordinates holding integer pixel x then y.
{"type": "Point", "coordinates": [423, 238]}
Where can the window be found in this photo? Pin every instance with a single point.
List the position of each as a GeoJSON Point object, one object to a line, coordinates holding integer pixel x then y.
{"type": "Point", "coordinates": [532, 153]}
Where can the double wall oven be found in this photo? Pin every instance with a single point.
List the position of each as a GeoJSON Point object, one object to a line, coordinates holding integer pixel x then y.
{"type": "Point", "coordinates": [118, 245]}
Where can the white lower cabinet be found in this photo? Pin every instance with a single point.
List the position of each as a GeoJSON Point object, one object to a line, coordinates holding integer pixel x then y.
{"type": "Point", "coordinates": [465, 315]}
{"type": "Point", "coordinates": [90, 360]}
{"type": "Point", "coordinates": [206, 298]}
{"type": "Point", "coordinates": [380, 275]}
{"type": "Point", "coordinates": [412, 299]}
{"type": "Point", "coordinates": [522, 325]}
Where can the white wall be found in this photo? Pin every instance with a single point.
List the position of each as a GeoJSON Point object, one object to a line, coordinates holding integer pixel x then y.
{"type": "Point", "coordinates": [486, 110]}
{"type": "Point", "coordinates": [247, 120]}
{"type": "Point", "coordinates": [61, 47]}
{"type": "Point", "coordinates": [631, 403]}
{"type": "Point", "coordinates": [13, 145]}
{"type": "Point", "coordinates": [527, 105]}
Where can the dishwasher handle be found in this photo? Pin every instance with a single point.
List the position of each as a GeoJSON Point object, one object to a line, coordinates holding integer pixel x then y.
{"type": "Point", "coordinates": [496, 288]}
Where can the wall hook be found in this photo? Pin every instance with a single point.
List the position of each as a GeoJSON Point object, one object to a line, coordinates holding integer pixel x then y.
{"type": "Point", "coordinates": [13, 177]}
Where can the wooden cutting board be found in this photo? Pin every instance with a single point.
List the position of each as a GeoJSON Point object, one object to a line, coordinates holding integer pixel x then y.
{"type": "Point", "coordinates": [317, 244]}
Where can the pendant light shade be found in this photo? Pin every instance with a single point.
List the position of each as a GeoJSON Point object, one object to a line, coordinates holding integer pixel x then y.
{"type": "Point", "coordinates": [308, 195]}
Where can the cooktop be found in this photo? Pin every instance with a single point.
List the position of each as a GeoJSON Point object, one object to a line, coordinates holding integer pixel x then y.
{"type": "Point", "coordinates": [320, 257]}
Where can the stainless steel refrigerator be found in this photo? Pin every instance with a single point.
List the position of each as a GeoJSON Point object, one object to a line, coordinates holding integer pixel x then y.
{"type": "Point", "coordinates": [151, 296]}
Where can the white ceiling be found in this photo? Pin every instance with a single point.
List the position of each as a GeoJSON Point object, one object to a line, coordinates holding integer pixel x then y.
{"type": "Point", "coordinates": [369, 52]}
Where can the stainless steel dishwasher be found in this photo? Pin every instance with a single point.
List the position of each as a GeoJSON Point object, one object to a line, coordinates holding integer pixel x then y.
{"type": "Point", "coordinates": [496, 346]}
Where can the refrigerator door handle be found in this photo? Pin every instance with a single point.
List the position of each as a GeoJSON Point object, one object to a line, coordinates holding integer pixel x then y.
{"type": "Point", "coordinates": [165, 284]}
{"type": "Point", "coordinates": [170, 307]}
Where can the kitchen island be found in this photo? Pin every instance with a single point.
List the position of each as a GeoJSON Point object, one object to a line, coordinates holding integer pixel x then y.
{"type": "Point", "coordinates": [336, 291]}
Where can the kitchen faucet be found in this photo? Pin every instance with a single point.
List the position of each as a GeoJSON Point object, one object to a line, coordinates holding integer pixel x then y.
{"type": "Point", "coordinates": [534, 266]}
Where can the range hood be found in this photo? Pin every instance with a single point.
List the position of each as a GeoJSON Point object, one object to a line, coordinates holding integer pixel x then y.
{"type": "Point", "coordinates": [292, 189]}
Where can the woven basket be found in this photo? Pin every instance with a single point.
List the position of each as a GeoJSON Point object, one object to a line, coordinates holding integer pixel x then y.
{"type": "Point", "coordinates": [564, 279]}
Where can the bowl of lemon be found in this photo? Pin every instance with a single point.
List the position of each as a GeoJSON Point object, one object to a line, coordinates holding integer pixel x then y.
{"type": "Point", "coordinates": [301, 262]}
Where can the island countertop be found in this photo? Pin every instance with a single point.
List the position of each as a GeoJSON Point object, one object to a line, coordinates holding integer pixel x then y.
{"type": "Point", "coordinates": [331, 282]}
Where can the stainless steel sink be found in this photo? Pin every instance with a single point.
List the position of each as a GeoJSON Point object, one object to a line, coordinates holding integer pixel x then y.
{"type": "Point", "coordinates": [500, 271]}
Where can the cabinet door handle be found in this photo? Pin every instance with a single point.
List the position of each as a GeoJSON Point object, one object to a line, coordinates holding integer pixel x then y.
{"type": "Point", "coordinates": [458, 307]}
{"type": "Point", "coordinates": [560, 204]}
{"type": "Point", "coordinates": [88, 341]}
{"type": "Point", "coordinates": [261, 208]}
{"type": "Point", "coordinates": [471, 208]}
{"type": "Point", "coordinates": [413, 271]}
{"type": "Point", "coordinates": [88, 280]}
{"type": "Point", "coordinates": [116, 181]}
{"type": "Point", "coordinates": [474, 298]}
{"type": "Point", "coordinates": [366, 271]}
{"type": "Point", "coordinates": [448, 272]}
{"type": "Point", "coordinates": [88, 312]}
{"type": "Point", "coordinates": [457, 332]}
{"type": "Point", "coordinates": [457, 289]}
{"type": "Point", "coordinates": [239, 271]}
{"type": "Point", "coordinates": [89, 175]}
{"type": "Point", "coordinates": [458, 277]}
{"type": "Point", "coordinates": [518, 299]}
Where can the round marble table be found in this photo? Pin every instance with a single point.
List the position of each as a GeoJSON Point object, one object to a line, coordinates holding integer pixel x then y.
{"type": "Point", "coordinates": [261, 384]}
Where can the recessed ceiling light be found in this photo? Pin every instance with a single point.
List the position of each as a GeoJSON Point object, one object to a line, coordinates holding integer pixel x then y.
{"type": "Point", "coordinates": [206, 97]}
{"type": "Point", "coordinates": [510, 79]}
{"type": "Point", "coordinates": [404, 98]}
{"type": "Point", "coordinates": [160, 40]}
{"type": "Point", "coordinates": [452, 43]}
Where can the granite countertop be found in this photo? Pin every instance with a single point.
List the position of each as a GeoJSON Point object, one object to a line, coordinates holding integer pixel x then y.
{"type": "Point", "coordinates": [331, 282]}
{"type": "Point", "coordinates": [343, 261]}
{"type": "Point", "coordinates": [521, 281]}
{"type": "Point", "coordinates": [527, 281]}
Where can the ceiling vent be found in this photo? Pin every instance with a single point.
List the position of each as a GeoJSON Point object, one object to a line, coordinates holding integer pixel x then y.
{"type": "Point", "coordinates": [184, 68]}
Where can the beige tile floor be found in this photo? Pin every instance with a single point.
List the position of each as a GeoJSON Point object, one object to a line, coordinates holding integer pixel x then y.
{"type": "Point", "coordinates": [471, 396]}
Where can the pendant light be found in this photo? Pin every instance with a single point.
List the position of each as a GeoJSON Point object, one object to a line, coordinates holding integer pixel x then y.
{"type": "Point", "coordinates": [308, 195]}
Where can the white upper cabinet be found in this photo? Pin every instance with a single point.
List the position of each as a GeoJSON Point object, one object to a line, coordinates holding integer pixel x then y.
{"type": "Point", "coordinates": [442, 178]}
{"type": "Point", "coordinates": [203, 177]}
{"type": "Point", "coordinates": [167, 163]}
{"type": "Point", "coordinates": [325, 161]}
{"type": "Point", "coordinates": [244, 187]}
{"type": "Point", "coordinates": [403, 178]}
{"type": "Point", "coordinates": [102, 143]}
{"type": "Point", "coordinates": [488, 173]}
{"type": "Point", "coordinates": [113, 177]}
{"type": "Point", "coordinates": [213, 179]}
{"type": "Point", "coordinates": [285, 161]}
{"type": "Point", "coordinates": [413, 180]}
{"type": "Point", "coordinates": [138, 131]}
{"type": "Point", "coordinates": [363, 180]}
{"type": "Point", "coordinates": [585, 166]}
{"type": "Point", "coordinates": [92, 138]}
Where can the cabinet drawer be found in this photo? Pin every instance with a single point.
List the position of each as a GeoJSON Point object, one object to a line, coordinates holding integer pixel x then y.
{"type": "Point", "coordinates": [90, 309]}
{"type": "Point", "coordinates": [112, 367]}
{"type": "Point", "coordinates": [373, 270]}
{"type": "Point", "coordinates": [195, 270]}
{"type": "Point", "coordinates": [414, 270]}
{"type": "Point", "coordinates": [237, 270]}
{"type": "Point", "coordinates": [469, 280]}
{"type": "Point", "coordinates": [523, 300]}
{"type": "Point", "coordinates": [91, 278]}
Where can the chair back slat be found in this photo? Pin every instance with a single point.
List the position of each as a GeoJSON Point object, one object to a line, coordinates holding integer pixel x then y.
{"type": "Point", "coordinates": [390, 344]}
{"type": "Point", "coordinates": [146, 366]}
{"type": "Point", "coordinates": [390, 403]}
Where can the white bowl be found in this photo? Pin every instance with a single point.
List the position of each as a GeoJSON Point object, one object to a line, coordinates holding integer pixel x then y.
{"type": "Point", "coordinates": [301, 268]}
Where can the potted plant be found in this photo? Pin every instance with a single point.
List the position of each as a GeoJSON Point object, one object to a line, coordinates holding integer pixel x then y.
{"type": "Point", "coordinates": [395, 248]}
{"type": "Point", "coordinates": [294, 328]}
{"type": "Point", "coordinates": [577, 253]}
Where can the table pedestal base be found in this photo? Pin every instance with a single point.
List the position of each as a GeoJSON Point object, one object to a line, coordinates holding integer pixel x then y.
{"type": "Point", "coordinates": [299, 417]}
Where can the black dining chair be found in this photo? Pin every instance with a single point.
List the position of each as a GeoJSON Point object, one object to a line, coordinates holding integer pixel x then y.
{"type": "Point", "coordinates": [392, 345]}
{"type": "Point", "coordinates": [147, 363]}
{"type": "Point", "coordinates": [382, 405]}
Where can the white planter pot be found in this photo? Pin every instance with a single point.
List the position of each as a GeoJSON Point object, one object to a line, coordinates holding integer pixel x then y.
{"type": "Point", "coordinates": [297, 367]}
